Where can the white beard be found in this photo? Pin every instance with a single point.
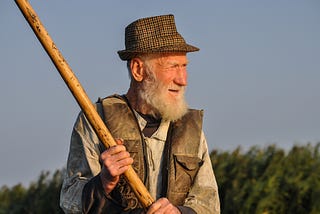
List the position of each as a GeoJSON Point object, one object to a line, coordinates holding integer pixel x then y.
{"type": "Point", "coordinates": [153, 93]}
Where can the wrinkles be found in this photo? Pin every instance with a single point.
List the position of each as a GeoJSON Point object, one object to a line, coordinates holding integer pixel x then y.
{"type": "Point", "coordinates": [90, 144]}
{"type": "Point", "coordinates": [71, 191]}
{"type": "Point", "coordinates": [204, 201]}
{"type": "Point", "coordinates": [83, 164]}
{"type": "Point", "coordinates": [155, 155]}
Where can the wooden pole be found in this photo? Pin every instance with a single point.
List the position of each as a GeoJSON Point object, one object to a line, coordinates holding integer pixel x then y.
{"type": "Point", "coordinates": [81, 97]}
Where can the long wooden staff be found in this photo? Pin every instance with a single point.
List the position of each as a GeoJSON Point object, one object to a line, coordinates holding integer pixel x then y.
{"type": "Point", "coordinates": [81, 97]}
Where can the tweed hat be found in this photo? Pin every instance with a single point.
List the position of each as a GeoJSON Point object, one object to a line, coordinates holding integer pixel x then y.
{"type": "Point", "coordinates": [156, 34]}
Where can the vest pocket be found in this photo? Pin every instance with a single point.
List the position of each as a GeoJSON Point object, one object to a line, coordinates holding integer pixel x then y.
{"type": "Point", "coordinates": [186, 168]}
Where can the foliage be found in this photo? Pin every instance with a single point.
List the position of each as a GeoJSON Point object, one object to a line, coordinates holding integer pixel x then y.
{"type": "Point", "coordinates": [41, 196]}
{"type": "Point", "coordinates": [269, 180]}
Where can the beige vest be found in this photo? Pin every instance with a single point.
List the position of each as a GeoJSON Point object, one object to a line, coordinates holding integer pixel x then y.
{"type": "Point", "coordinates": [181, 151]}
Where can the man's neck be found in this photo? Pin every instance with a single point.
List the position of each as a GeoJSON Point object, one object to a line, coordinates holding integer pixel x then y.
{"type": "Point", "coordinates": [139, 104]}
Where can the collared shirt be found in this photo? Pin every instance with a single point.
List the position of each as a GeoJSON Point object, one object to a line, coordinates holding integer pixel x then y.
{"type": "Point", "coordinates": [155, 145]}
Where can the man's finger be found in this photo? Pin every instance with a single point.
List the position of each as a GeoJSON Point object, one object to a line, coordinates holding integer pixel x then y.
{"type": "Point", "coordinates": [119, 141]}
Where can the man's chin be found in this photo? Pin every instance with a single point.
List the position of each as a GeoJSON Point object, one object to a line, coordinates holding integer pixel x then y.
{"type": "Point", "coordinates": [174, 111]}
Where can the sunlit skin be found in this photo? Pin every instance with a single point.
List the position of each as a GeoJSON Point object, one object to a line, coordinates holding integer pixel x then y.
{"type": "Point", "coordinates": [171, 70]}
{"type": "Point", "coordinates": [116, 161]}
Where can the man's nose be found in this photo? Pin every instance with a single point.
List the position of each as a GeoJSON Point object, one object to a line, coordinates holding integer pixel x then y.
{"type": "Point", "coordinates": [181, 77]}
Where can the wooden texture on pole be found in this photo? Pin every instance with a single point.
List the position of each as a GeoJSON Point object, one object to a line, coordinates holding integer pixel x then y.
{"type": "Point", "coordinates": [81, 97]}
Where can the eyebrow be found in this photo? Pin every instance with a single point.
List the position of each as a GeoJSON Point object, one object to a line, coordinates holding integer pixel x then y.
{"type": "Point", "coordinates": [174, 63]}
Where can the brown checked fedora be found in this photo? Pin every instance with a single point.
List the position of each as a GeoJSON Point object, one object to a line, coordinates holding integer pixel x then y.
{"type": "Point", "coordinates": [156, 34]}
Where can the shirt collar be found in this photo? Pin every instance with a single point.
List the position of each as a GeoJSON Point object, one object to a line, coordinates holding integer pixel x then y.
{"type": "Point", "coordinates": [160, 134]}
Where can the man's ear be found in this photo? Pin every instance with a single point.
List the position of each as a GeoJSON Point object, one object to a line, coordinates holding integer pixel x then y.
{"type": "Point", "coordinates": [137, 71]}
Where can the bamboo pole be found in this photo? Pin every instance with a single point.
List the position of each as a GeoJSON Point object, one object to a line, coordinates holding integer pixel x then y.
{"type": "Point", "coordinates": [80, 95]}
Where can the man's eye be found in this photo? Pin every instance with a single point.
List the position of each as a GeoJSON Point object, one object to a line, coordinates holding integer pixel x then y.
{"type": "Point", "coordinates": [175, 66]}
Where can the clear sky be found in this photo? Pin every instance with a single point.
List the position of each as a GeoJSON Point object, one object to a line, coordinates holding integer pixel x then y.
{"type": "Point", "coordinates": [256, 76]}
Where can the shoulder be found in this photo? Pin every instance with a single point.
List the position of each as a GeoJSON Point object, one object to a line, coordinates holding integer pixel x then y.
{"type": "Point", "coordinates": [112, 99]}
{"type": "Point", "coordinates": [193, 115]}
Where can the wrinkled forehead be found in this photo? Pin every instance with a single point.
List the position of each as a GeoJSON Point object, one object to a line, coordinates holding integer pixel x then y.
{"type": "Point", "coordinates": [168, 59]}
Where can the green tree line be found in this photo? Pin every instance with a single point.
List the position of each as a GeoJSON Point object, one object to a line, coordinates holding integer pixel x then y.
{"type": "Point", "coordinates": [260, 180]}
{"type": "Point", "coordinates": [269, 180]}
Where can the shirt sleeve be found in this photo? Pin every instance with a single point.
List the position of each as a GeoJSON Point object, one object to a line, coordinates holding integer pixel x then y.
{"type": "Point", "coordinates": [83, 164]}
{"type": "Point", "coordinates": [203, 196]}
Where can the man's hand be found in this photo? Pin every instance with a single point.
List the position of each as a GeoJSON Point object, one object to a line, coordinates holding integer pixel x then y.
{"type": "Point", "coordinates": [116, 160]}
{"type": "Point", "coordinates": [163, 206]}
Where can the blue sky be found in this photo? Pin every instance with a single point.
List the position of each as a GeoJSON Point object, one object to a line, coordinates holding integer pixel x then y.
{"type": "Point", "coordinates": [256, 76]}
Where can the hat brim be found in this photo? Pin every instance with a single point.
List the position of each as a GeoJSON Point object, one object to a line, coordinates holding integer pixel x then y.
{"type": "Point", "coordinates": [129, 54]}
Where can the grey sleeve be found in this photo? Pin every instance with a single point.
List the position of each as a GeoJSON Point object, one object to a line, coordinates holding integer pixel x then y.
{"type": "Point", "coordinates": [203, 196]}
{"type": "Point", "coordinates": [82, 165]}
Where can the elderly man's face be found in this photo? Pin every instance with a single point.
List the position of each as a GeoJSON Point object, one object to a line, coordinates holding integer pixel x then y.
{"type": "Point", "coordinates": [171, 71]}
{"type": "Point", "coordinates": [164, 86]}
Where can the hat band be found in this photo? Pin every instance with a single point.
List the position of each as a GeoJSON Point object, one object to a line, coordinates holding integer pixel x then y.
{"type": "Point", "coordinates": [152, 43]}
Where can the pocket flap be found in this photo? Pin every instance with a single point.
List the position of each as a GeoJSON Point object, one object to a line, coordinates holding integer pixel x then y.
{"type": "Point", "coordinates": [188, 162]}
